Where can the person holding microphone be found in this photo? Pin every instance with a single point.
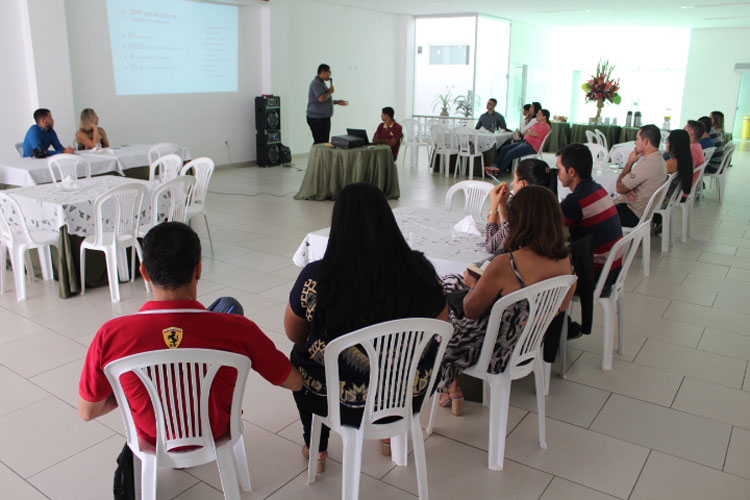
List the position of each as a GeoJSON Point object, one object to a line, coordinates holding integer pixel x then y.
{"type": "Point", "coordinates": [320, 105]}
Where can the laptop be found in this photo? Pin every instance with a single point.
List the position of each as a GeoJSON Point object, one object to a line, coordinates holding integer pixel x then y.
{"type": "Point", "coordinates": [358, 132]}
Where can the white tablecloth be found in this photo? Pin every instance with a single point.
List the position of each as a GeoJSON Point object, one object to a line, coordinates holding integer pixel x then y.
{"type": "Point", "coordinates": [135, 155]}
{"type": "Point", "coordinates": [49, 207]}
{"type": "Point", "coordinates": [488, 140]}
{"type": "Point", "coordinates": [32, 171]}
{"type": "Point", "coordinates": [606, 177]}
{"type": "Point", "coordinates": [430, 231]}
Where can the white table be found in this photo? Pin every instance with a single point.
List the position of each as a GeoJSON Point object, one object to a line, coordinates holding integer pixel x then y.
{"type": "Point", "coordinates": [429, 231]}
{"type": "Point", "coordinates": [605, 176]}
{"type": "Point", "coordinates": [33, 171]}
{"type": "Point", "coordinates": [50, 207]}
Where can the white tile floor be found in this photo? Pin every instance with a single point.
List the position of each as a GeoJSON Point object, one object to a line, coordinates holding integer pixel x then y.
{"type": "Point", "coordinates": [671, 420]}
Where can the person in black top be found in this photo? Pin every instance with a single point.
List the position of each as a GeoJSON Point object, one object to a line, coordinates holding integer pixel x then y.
{"type": "Point", "coordinates": [368, 275]}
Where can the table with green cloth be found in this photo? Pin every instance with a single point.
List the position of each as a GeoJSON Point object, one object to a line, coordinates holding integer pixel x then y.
{"type": "Point", "coordinates": [330, 169]}
{"type": "Point", "coordinates": [611, 133]}
{"type": "Point", "coordinates": [627, 134]}
{"type": "Point", "coordinates": [559, 138]}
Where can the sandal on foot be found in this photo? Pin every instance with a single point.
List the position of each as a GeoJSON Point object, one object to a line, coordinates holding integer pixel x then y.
{"type": "Point", "coordinates": [322, 456]}
{"type": "Point", "coordinates": [454, 399]}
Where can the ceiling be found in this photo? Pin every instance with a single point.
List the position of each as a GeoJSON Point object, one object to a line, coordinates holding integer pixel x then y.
{"type": "Point", "coordinates": [674, 13]}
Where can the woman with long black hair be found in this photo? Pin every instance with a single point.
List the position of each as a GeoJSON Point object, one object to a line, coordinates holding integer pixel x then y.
{"type": "Point", "coordinates": [368, 275]}
{"type": "Point", "coordinates": [681, 161]}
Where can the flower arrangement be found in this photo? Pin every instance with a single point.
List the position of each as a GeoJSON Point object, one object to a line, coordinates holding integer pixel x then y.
{"type": "Point", "coordinates": [602, 87]}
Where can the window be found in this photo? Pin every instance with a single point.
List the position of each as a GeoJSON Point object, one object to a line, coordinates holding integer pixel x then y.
{"type": "Point", "coordinates": [449, 54]}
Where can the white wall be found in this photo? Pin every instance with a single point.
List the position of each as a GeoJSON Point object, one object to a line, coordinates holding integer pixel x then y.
{"type": "Point", "coordinates": [711, 83]}
{"type": "Point", "coordinates": [36, 69]}
{"type": "Point", "coordinates": [198, 121]}
{"type": "Point", "coordinates": [363, 48]}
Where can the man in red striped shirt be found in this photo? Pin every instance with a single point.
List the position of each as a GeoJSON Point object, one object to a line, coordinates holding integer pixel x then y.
{"type": "Point", "coordinates": [588, 209]}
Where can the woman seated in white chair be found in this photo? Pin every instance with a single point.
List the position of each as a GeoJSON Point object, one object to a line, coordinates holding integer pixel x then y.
{"type": "Point", "coordinates": [368, 275]}
{"type": "Point", "coordinates": [536, 252]}
{"type": "Point", "coordinates": [90, 135]}
{"type": "Point", "coordinates": [530, 172]}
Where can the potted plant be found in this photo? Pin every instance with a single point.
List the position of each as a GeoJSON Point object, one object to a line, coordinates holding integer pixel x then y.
{"type": "Point", "coordinates": [465, 103]}
{"type": "Point", "coordinates": [444, 100]}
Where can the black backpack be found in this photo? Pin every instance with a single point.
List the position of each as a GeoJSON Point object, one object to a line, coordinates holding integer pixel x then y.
{"type": "Point", "coordinates": [124, 483]}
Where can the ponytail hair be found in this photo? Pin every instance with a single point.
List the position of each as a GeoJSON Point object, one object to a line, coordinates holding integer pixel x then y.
{"type": "Point", "coordinates": [537, 173]}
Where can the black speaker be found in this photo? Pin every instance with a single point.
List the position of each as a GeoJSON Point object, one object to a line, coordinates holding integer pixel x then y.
{"type": "Point", "coordinates": [268, 130]}
{"type": "Point", "coordinates": [267, 113]}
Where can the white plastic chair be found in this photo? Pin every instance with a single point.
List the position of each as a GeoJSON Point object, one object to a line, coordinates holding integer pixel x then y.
{"type": "Point", "coordinates": [666, 218]}
{"type": "Point", "coordinates": [598, 153]}
{"type": "Point", "coordinates": [475, 194]}
{"type": "Point", "coordinates": [165, 168]}
{"type": "Point", "coordinates": [116, 230]}
{"type": "Point", "coordinates": [687, 205]}
{"type": "Point", "coordinates": [612, 301]}
{"type": "Point", "coordinates": [468, 149]}
{"type": "Point", "coordinates": [19, 148]}
{"type": "Point", "coordinates": [394, 349]}
{"type": "Point", "coordinates": [203, 169]}
{"type": "Point", "coordinates": [618, 155]}
{"type": "Point", "coordinates": [602, 139]}
{"type": "Point", "coordinates": [544, 299]}
{"type": "Point", "coordinates": [719, 178]}
{"type": "Point", "coordinates": [442, 147]}
{"type": "Point", "coordinates": [654, 202]}
{"type": "Point", "coordinates": [169, 202]}
{"type": "Point", "coordinates": [169, 376]}
{"type": "Point", "coordinates": [16, 239]}
{"type": "Point", "coordinates": [413, 141]}
{"type": "Point", "coordinates": [165, 148]}
{"type": "Point", "coordinates": [66, 165]}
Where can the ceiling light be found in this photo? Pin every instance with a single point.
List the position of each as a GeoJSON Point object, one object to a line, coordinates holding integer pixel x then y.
{"type": "Point", "coordinates": [687, 6]}
{"type": "Point", "coordinates": [570, 11]}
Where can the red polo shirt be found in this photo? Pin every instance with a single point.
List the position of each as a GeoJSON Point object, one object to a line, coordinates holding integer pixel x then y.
{"type": "Point", "coordinates": [389, 133]}
{"type": "Point", "coordinates": [201, 329]}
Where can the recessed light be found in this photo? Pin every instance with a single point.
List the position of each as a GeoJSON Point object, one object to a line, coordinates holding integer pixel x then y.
{"type": "Point", "coordinates": [687, 6]}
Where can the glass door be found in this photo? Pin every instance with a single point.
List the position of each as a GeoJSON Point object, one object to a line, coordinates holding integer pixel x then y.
{"type": "Point", "coordinates": [517, 76]}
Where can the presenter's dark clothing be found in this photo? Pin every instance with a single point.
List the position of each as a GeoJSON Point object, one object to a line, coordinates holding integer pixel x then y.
{"type": "Point", "coordinates": [491, 122]}
{"type": "Point", "coordinates": [319, 113]}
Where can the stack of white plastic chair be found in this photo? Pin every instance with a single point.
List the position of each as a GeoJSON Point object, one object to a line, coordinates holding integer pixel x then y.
{"type": "Point", "coordinates": [178, 382]}
{"type": "Point", "coordinates": [475, 194]}
{"type": "Point", "coordinates": [16, 239]}
{"type": "Point", "coordinates": [62, 166]}
{"type": "Point", "coordinates": [442, 147]}
{"type": "Point", "coordinates": [468, 149]}
{"type": "Point", "coordinates": [544, 300]}
{"type": "Point", "coordinates": [202, 169]}
{"type": "Point", "coordinates": [118, 213]}
{"type": "Point", "coordinates": [413, 141]}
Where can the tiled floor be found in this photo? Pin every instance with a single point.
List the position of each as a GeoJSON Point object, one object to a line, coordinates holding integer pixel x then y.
{"type": "Point", "coordinates": [671, 420]}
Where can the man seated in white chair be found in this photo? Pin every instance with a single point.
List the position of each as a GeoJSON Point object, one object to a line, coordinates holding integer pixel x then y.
{"type": "Point", "coordinates": [175, 319]}
{"type": "Point", "coordinates": [644, 173]}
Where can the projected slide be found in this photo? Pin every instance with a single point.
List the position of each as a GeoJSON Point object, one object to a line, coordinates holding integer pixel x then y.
{"type": "Point", "coordinates": [172, 46]}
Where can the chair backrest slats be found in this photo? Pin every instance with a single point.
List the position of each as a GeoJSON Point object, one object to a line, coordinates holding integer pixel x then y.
{"type": "Point", "coordinates": [656, 200]}
{"type": "Point", "coordinates": [165, 148]}
{"type": "Point", "coordinates": [12, 220]}
{"type": "Point", "coordinates": [165, 168]}
{"type": "Point", "coordinates": [624, 249]}
{"type": "Point", "coordinates": [175, 194]}
{"type": "Point", "coordinates": [475, 194]}
{"type": "Point", "coordinates": [125, 201]}
{"type": "Point", "coordinates": [66, 165]}
{"type": "Point", "coordinates": [394, 350]}
{"type": "Point", "coordinates": [203, 169]}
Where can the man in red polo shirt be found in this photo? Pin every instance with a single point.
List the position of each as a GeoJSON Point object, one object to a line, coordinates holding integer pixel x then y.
{"type": "Point", "coordinates": [389, 132]}
{"type": "Point", "coordinates": [174, 320]}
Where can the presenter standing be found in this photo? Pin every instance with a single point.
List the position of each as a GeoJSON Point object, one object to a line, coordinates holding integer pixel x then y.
{"type": "Point", "coordinates": [320, 105]}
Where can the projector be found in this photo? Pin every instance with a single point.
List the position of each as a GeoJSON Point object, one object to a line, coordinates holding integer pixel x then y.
{"type": "Point", "coordinates": [347, 141]}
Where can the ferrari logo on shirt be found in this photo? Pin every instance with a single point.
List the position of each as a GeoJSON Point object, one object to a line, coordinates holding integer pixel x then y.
{"type": "Point", "coordinates": [172, 336]}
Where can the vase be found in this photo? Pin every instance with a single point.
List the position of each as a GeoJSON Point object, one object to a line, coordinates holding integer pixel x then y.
{"type": "Point", "coordinates": [599, 106]}
{"type": "Point", "coordinates": [444, 112]}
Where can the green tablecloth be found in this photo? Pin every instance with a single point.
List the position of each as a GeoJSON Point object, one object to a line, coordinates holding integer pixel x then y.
{"type": "Point", "coordinates": [611, 132]}
{"type": "Point", "coordinates": [329, 169]}
{"type": "Point", "coordinates": [560, 137]}
{"type": "Point", "coordinates": [628, 134]}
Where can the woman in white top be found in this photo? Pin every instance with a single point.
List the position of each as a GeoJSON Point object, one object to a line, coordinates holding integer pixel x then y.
{"type": "Point", "coordinates": [530, 117]}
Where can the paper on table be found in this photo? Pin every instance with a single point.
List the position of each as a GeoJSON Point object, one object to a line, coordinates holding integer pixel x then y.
{"type": "Point", "coordinates": [69, 184]}
{"type": "Point", "coordinates": [468, 226]}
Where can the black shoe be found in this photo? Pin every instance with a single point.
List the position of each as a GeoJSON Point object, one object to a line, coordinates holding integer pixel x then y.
{"type": "Point", "coordinates": [574, 330]}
